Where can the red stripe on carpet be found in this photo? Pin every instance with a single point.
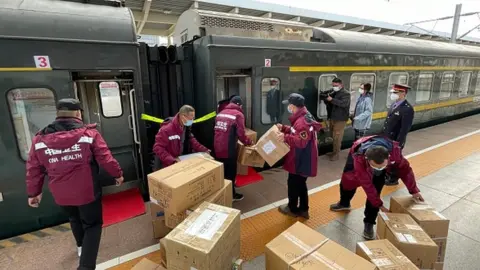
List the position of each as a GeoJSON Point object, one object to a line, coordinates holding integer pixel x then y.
{"type": "Point", "coordinates": [121, 206]}
{"type": "Point", "coordinates": [252, 177]}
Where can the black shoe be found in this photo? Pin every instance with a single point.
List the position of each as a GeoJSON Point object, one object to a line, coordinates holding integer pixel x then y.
{"type": "Point", "coordinates": [391, 182]}
{"type": "Point", "coordinates": [304, 214]}
{"type": "Point", "coordinates": [337, 207]}
{"type": "Point", "coordinates": [284, 209]}
{"type": "Point", "coordinates": [368, 232]}
{"type": "Point", "coordinates": [237, 197]}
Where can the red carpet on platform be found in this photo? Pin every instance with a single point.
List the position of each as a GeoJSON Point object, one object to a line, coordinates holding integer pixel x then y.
{"type": "Point", "coordinates": [250, 178]}
{"type": "Point", "coordinates": [121, 206]}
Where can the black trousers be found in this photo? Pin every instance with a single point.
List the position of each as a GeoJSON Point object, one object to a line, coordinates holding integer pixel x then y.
{"type": "Point", "coordinates": [297, 193]}
{"type": "Point", "coordinates": [230, 170]}
{"type": "Point", "coordinates": [86, 222]}
{"type": "Point", "coordinates": [359, 133]}
{"type": "Point", "coordinates": [371, 212]}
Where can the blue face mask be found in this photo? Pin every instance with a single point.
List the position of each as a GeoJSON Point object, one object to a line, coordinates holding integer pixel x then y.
{"type": "Point", "coordinates": [189, 123]}
{"type": "Point", "coordinates": [289, 109]}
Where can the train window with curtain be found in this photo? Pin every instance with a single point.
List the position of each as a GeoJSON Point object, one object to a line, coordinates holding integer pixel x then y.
{"type": "Point", "coordinates": [447, 84]}
{"type": "Point", "coordinates": [324, 84]}
{"type": "Point", "coordinates": [464, 83]}
{"type": "Point", "coordinates": [477, 85]}
{"type": "Point", "coordinates": [424, 87]}
{"type": "Point", "coordinates": [31, 109]}
{"type": "Point", "coordinates": [356, 80]}
{"type": "Point", "coordinates": [395, 78]}
{"type": "Point", "coordinates": [111, 99]}
{"type": "Point", "coordinates": [271, 103]}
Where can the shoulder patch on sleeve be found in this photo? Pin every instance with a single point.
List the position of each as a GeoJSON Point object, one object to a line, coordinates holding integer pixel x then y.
{"type": "Point", "coordinates": [303, 135]}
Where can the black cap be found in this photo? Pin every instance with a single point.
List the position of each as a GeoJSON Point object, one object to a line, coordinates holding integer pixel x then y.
{"type": "Point", "coordinates": [295, 99]}
{"type": "Point", "coordinates": [69, 104]}
{"type": "Point", "coordinates": [236, 100]}
{"type": "Point", "coordinates": [400, 88]}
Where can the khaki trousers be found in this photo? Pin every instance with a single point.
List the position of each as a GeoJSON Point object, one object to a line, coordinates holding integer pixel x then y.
{"type": "Point", "coordinates": [337, 128]}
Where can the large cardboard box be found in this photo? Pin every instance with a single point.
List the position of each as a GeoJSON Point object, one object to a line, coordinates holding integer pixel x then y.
{"type": "Point", "coordinates": [431, 221]}
{"type": "Point", "coordinates": [146, 264]}
{"type": "Point", "coordinates": [208, 239]}
{"type": "Point", "coordinates": [405, 234]}
{"type": "Point", "coordinates": [185, 183]}
{"type": "Point", "coordinates": [157, 213]}
{"type": "Point", "coordinates": [384, 255]}
{"type": "Point", "coordinates": [300, 247]}
{"type": "Point", "coordinates": [269, 148]}
{"type": "Point", "coordinates": [252, 135]}
{"type": "Point", "coordinates": [249, 156]}
{"type": "Point", "coordinates": [222, 197]}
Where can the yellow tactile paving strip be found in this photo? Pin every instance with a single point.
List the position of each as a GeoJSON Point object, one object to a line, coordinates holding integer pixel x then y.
{"type": "Point", "coordinates": [258, 230]}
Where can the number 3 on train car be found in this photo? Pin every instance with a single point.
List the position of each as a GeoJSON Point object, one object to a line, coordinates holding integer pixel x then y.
{"type": "Point", "coordinates": [42, 61]}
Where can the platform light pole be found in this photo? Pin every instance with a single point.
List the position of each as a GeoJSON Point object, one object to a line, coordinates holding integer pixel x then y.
{"type": "Point", "coordinates": [456, 23]}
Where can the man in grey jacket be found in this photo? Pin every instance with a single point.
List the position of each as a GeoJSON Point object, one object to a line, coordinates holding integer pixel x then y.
{"type": "Point", "coordinates": [339, 104]}
{"type": "Point", "coordinates": [362, 116]}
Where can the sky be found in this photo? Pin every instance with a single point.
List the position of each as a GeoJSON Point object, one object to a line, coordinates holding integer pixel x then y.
{"type": "Point", "coordinates": [398, 11]}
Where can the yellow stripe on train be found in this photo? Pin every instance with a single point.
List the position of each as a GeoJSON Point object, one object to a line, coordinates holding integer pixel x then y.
{"type": "Point", "coordinates": [376, 68]}
{"type": "Point", "coordinates": [204, 118]}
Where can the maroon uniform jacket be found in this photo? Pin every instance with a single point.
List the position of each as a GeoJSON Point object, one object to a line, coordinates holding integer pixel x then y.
{"type": "Point", "coordinates": [302, 139]}
{"type": "Point", "coordinates": [362, 175]}
{"type": "Point", "coordinates": [170, 142]}
{"type": "Point", "coordinates": [229, 128]}
{"type": "Point", "coordinates": [69, 152]}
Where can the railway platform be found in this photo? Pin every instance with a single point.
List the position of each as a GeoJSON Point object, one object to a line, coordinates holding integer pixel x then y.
{"type": "Point", "coordinates": [446, 162]}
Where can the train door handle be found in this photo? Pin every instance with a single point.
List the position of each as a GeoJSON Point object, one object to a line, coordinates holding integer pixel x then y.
{"type": "Point", "coordinates": [132, 113]}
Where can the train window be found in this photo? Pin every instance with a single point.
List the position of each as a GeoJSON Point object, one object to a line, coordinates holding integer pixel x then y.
{"type": "Point", "coordinates": [446, 87]}
{"type": "Point", "coordinates": [424, 87]}
{"type": "Point", "coordinates": [271, 103]}
{"type": "Point", "coordinates": [111, 99]}
{"type": "Point", "coordinates": [356, 80]}
{"type": "Point", "coordinates": [464, 83]}
{"type": "Point", "coordinates": [396, 78]}
{"type": "Point", "coordinates": [324, 83]}
{"type": "Point", "coordinates": [477, 85]}
{"type": "Point", "coordinates": [31, 110]}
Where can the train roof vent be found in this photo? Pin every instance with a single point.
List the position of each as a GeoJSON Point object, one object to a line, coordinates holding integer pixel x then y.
{"type": "Point", "coordinates": [203, 23]}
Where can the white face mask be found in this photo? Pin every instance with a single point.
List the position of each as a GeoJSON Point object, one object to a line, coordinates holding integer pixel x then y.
{"type": "Point", "coordinates": [394, 97]}
{"type": "Point", "coordinates": [336, 88]}
{"type": "Point", "coordinates": [360, 90]}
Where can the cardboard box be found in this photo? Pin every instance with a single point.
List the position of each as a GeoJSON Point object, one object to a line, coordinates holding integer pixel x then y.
{"type": "Point", "coordinates": [163, 252]}
{"type": "Point", "coordinates": [269, 148]}
{"type": "Point", "coordinates": [249, 156]}
{"type": "Point", "coordinates": [242, 169]}
{"type": "Point", "coordinates": [202, 154]}
{"type": "Point", "coordinates": [431, 221]}
{"type": "Point", "coordinates": [157, 213]}
{"type": "Point", "coordinates": [405, 234]}
{"type": "Point", "coordinates": [252, 135]}
{"type": "Point", "coordinates": [384, 255]}
{"type": "Point", "coordinates": [222, 197]}
{"type": "Point", "coordinates": [146, 264]}
{"type": "Point", "coordinates": [208, 239]}
{"type": "Point", "coordinates": [303, 248]}
{"type": "Point", "coordinates": [438, 266]}
{"type": "Point", "coordinates": [185, 183]}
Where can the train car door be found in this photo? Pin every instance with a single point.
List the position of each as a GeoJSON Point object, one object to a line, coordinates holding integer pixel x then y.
{"type": "Point", "coordinates": [269, 89]}
{"type": "Point", "coordinates": [108, 103]}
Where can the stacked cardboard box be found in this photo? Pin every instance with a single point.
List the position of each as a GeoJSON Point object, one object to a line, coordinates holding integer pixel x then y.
{"type": "Point", "coordinates": [384, 255]}
{"type": "Point", "coordinates": [222, 197]}
{"type": "Point", "coordinates": [431, 221]}
{"type": "Point", "coordinates": [160, 230]}
{"type": "Point", "coordinates": [208, 239]}
{"type": "Point", "coordinates": [300, 247]}
{"type": "Point", "coordinates": [184, 185]}
{"type": "Point", "coordinates": [405, 234]}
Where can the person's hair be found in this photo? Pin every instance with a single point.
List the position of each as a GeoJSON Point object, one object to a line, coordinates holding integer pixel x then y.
{"type": "Point", "coordinates": [336, 80]}
{"type": "Point", "coordinates": [377, 154]}
{"type": "Point", "coordinates": [186, 109]}
{"type": "Point", "coordinates": [62, 113]}
{"type": "Point", "coordinates": [367, 87]}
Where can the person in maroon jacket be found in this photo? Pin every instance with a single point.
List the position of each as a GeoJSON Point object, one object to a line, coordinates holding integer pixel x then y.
{"type": "Point", "coordinates": [301, 161]}
{"type": "Point", "coordinates": [175, 138]}
{"type": "Point", "coordinates": [229, 128]}
{"type": "Point", "coordinates": [69, 153]}
{"type": "Point", "coordinates": [369, 161]}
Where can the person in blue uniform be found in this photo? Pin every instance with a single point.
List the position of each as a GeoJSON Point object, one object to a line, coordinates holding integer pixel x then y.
{"type": "Point", "coordinates": [398, 122]}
